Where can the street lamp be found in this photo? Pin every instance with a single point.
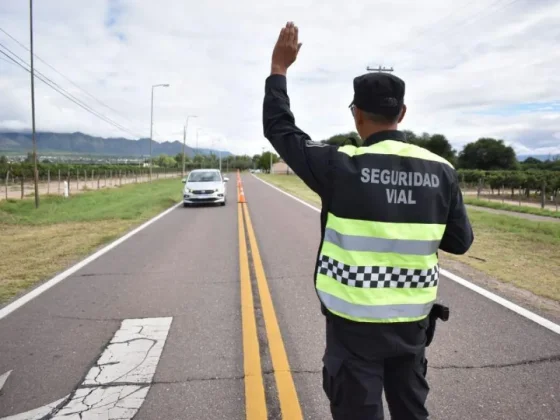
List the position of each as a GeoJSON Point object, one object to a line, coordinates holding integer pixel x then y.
{"type": "Point", "coordinates": [196, 154]}
{"type": "Point", "coordinates": [185, 139]}
{"type": "Point", "coordinates": [152, 123]}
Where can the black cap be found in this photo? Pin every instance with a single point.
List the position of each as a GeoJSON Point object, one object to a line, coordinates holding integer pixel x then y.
{"type": "Point", "coordinates": [379, 93]}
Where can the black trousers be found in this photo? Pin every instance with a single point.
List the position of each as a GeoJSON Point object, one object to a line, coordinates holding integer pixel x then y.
{"type": "Point", "coordinates": [363, 359]}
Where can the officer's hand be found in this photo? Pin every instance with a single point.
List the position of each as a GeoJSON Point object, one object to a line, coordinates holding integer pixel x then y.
{"type": "Point", "coordinates": [286, 49]}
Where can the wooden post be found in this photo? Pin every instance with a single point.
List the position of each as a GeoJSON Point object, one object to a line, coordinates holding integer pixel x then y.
{"type": "Point", "coordinates": [111, 175]}
{"type": "Point", "coordinates": [120, 178]}
{"type": "Point", "coordinates": [478, 188]}
{"type": "Point", "coordinates": [520, 195]}
{"type": "Point", "coordinates": [7, 179]}
{"type": "Point", "coordinates": [77, 180]}
{"type": "Point", "coordinates": [98, 180]}
{"type": "Point", "coordinates": [92, 179]}
{"type": "Point", "coordinates": [48, 181]}
{"type": "Point", "coordinates": [504, 193]}
{"type": "Point", "coordinates": [105, 178]}
{"type": "Point", "coordinates": [543, 194]}
{"type": "Point", "coordinates": [556, 199]}
{"type": "Point", "coordinates": [59, 181]}
{"type": "Point", "coordinates": [22, 186]}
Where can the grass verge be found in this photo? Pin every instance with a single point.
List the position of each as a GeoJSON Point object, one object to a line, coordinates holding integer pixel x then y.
{"type": "Point", "coordinates": [523, 253]}
{"type": "Point", "coordinates": [35, 244]}
{"type": "Point", "coordinates": [511, 207]}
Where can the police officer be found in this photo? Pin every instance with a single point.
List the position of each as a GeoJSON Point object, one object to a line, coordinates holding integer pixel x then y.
{"type": "Point", "coordinates": [387, 207]}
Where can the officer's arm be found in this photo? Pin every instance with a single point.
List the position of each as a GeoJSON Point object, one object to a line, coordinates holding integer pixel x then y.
{"type": "Point", "coordinates": [458, 236]}
{"type": "Point", "coordinates": [308, 159]}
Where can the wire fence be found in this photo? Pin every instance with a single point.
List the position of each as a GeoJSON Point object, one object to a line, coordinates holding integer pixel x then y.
{"type": "Point", "coordinates": [78, 181]}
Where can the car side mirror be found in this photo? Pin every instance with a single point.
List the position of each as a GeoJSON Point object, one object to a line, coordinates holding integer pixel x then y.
{"type": "Point", "coordinates": [226, 179]}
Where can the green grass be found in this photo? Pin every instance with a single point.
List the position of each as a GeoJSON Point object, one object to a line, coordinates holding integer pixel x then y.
{"type": "Point", "coordinates": [511, 207]}
{"type": "Point", "coordinates": [129, 202]}
{"type": "Point", "coordinates": [35, 244]}
{"type": "Point", "coordinates": [524, 253]}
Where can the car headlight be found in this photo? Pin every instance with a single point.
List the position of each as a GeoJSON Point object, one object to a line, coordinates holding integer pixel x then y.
{"type": "Point", "coordinates": [188, 191]}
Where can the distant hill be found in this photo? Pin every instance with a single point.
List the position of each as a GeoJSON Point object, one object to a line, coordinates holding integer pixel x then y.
{"type": "Point", "coordinates": [521, 158]}
{"type": "Point", "coordinates": [80, 143]}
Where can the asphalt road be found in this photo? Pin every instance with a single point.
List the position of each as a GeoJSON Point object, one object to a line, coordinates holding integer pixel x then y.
{"type": "Point", "coordinates": [486, 362]}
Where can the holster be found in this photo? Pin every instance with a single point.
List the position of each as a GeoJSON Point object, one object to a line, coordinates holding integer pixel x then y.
{"type": "Point", "coordinates": [438, 312]}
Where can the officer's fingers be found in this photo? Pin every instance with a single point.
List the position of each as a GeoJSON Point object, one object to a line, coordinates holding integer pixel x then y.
{"type": "Point", "coordinates": [291, 38]}
{"type": "Point", "coordinates": [299, 46]}
{"type": "Point", "coordinates": [282, 36]}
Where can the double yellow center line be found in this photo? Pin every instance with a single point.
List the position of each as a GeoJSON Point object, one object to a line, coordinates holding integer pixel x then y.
{"type": "Point", "coordinates": [255, 399]}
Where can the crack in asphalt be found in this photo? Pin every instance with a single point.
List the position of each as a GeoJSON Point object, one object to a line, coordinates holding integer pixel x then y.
{"type": "Point", "coordinates": [540, 360]}
{"type": "Point", "coordinates": [121, 274]}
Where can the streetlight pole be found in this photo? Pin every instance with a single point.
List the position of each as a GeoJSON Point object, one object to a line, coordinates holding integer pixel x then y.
{"type": "Point", "coordinates": [185, 139]}
{"type": "Point", "coordinates": [197, 130]}
{"type": "Point", "coordinates": [35, 172]}
{"type": "Point", "coordinates": [152, 124]}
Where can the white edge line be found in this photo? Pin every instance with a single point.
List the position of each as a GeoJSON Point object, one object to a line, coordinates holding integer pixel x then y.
{"type": "Point", "coordinates": [18, 303]}
{"type": "Point", "coordinates": [499, 300]}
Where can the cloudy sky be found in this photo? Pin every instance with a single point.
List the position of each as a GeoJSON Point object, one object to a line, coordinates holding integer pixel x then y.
{"type": "Point", "coordinates": [473, 69]}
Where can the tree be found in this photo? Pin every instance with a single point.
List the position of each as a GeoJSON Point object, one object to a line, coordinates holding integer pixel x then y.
{"type": "Point", "coordinates": [264, 161]}
{"type": "Point", "coordinates": [165, 161]}
{"type": "Point", "coordinates": [3, 160]}
{"type": "Point", "coordinates": [342, 139]}
{"type": "Point", "coordinates": [179, 159]}
{"type": "Point", "coordinates": [487, 154]}
{"type": "Point", "coordinates": [439, 145]}
{"type": "Point", "coordinates": [435, 143]}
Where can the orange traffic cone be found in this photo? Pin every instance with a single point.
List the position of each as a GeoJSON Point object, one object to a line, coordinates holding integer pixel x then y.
{"type": "Point", "coordinates": [241, 196]}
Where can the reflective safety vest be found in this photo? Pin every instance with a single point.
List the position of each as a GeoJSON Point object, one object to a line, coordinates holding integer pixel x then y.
{"type": "Point", "coordinates": [382, 224]}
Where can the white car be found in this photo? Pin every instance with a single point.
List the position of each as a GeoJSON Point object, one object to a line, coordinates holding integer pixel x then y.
{"type": "Point", "coordinates": [205, 186]}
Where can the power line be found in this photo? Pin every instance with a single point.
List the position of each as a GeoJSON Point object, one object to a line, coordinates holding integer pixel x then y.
{"type": "Point", "coordinates": [65, 77]}
{"type": "Point", "coordinates": [65, 93]}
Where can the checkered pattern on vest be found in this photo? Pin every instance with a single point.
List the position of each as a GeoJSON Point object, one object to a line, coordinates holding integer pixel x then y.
{"type": "Point", "coordinates": [377, 277]}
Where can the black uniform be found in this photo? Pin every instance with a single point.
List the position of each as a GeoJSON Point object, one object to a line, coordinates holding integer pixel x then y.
{"type": "Point", "coordinates": [362, 358]}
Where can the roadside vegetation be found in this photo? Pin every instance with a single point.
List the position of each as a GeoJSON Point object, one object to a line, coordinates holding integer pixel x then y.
{"type": "Point", "coordinates": [35, 244]}
{"type": "Point", "coordinates": [511, 207]}
{"type": "Point", "coordinates": [523, 253]}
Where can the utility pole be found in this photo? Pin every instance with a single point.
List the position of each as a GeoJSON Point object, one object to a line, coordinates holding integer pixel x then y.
{"type": "Point", "coordinates": [152, 124]}
{"type": "Point", "coordinates": [35, 172]}
{"type": "Point", "coordinates": [380, 69]}
{"type": "Point", "coordinates": [185, 139]}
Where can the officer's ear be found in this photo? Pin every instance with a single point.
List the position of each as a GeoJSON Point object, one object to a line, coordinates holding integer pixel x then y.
{"type": "Point", "coordinates": [403, 111]}
{"type": "Point", "coordinates": [358, 116]}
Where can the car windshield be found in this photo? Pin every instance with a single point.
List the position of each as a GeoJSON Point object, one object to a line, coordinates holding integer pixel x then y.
{"type": "Point", "coordinates": [210, 176]}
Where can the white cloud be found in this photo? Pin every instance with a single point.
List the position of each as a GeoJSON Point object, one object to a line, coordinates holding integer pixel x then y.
{"type": "Point", "coordinates": [456, 58]}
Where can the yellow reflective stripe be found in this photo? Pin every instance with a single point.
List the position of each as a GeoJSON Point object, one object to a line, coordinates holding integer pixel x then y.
{"type": "Point", "coordinates": [386, 230]}
{"type": "Point", "coordinates": [393, 147]}
{"type": "Point", "coordinates": [379, 259]}
{"type": "Point", "coordinates": [377, 320]}
{"type": "Point", "coordinates": [375, 296]}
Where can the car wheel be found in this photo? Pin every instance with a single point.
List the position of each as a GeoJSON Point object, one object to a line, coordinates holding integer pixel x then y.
{"type": "Point", "coordinates": [185, 205]}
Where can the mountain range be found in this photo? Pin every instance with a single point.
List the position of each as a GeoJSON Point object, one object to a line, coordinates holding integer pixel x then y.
{"type": "Point", "coordinates": [80, 143]}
